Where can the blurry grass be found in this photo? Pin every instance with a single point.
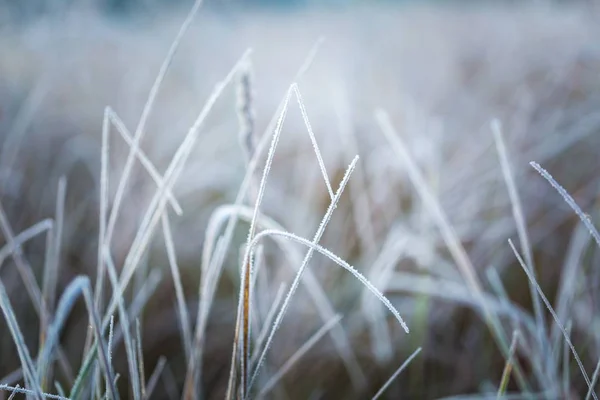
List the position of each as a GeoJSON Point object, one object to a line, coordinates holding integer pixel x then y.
{"type": "Point", "coordinates": [289, 304]}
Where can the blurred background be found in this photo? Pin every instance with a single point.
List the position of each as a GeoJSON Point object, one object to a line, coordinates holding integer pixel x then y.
{"type": "Point", "coordinates": [443, 71]}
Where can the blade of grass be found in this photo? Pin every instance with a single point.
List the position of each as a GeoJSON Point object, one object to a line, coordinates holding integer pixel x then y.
{"type": "Point", "coordinates": [63, 310]}
{"type": "Point", "coordinates": [140, 356]}
{"type": "Point", "coordinates": [102, 217]}
{"type": "Point", "coordinates": [508, 366]}
{"type": "Point", "coordinates": [361, 204]}
{"type": "Point", "coordinates": [24, 270]}
{"type": "Point", "coordinates": [594, 381]}
{"type": "Point", "coordinates": [29, 372]}
{"type": "Point", "coordinates": [110, 348]}
{"type": "Point", "coordinates": [318, 335]}
{"type": "Point", "coordinates": [517, 318]}
{"type": "Point", "coordinates": [519, 217]}
{"type": "Point", "coordinates": [395, 374]}
{"type": "Point", "coordinates": [245, 279]}
{"type": "Point", "coordinates": [51, 269]}
{"type": "Point", "coordinates": [137, 305]}
{"type": "Point", "coordinates": [268, 322]}
{"type": "Point", "coordinates": [139, 302]}
{"type": "Point", "coordinates": [139, 131]}
{"type": "Point", "coordinates": [154, 377]}
{"type": "Point", "coordinates": [14, 392]}
{"type": "Point", "coordinates": [59, 389]}
{"type": "Point", "coordinates": [569, 200]}
{"type": "Point", "coordinates": [551, 310]}
{"type": "Point", "coordinates": [130, 349]}
{"type": "Point", "coordinates": [380, 274]}
{"type": "Point", "coordinates": [310, 57]}
{"type": "Point", "coordinates": [23, 237]}
{"type": "Point", "coordinates": [184, 318]}
{"type": "Point", "coordinates": [144, 160]}
{"type": "Point", "coordinates": [111, 337]}
{"type": "Point", "coordinates": [566, 367]}
{"type": "Point", "coordinates": [313, 139]}
{"type": "Point", "coordinates": [580, 240]}
{"type": "Point", "coordinates": [245, 112]}
{"type": "Point", "coordinates": [170, 383]}
{"type": "Point", "coordinates": [28, 392]}
{"type": "Point", "coordinates": [102, 347]}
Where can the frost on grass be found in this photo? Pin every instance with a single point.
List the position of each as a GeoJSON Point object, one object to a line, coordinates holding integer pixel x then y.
{"type": "Point", "coordinates": [372, 211]}
{"type": "Point", "coordinates": [243, 321]}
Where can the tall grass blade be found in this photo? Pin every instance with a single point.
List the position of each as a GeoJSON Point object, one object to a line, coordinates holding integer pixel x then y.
{"type": "Point", "coordinates": [519, 217]}
{"type": "Point", "coordinates": [553, 313]}
{"type": "Point", "coordinates": [51, 268]}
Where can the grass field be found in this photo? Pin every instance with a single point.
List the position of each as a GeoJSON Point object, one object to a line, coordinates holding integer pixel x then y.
{"type": "Point", "coordinates": [374, 201]}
